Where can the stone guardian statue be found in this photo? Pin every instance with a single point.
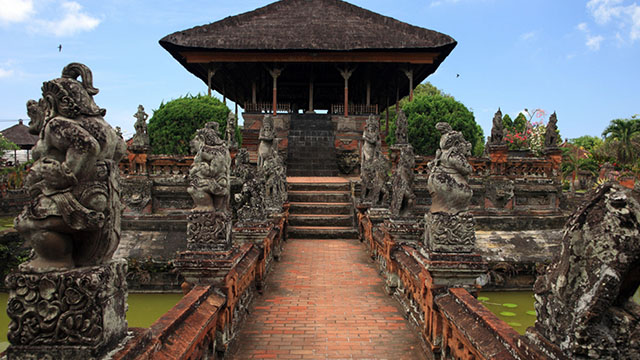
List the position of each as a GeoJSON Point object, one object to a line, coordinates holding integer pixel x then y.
{"type": "Point", "coordinates": [450, 227]}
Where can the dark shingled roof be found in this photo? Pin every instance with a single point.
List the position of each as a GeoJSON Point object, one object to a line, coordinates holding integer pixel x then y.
{"type": "Point", "coordinates": [19, 135]}
{"type": "Point", "coordinates": [329, 25]}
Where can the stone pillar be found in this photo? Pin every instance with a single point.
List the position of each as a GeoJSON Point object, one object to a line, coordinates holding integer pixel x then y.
{"type": "Point", "coordinates": [254, 98]}
{"type": "Point", "coordinates": [409, 74]}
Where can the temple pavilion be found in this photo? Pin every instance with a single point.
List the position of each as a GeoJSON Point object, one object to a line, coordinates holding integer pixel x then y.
{"type": "Point", "coordinates": [320, 67]}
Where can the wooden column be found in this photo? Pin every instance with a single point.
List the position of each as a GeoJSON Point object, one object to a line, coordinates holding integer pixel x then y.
{"type": "Point", "coordinates": [368, 92]}
{"type": "Point", "coordinates": [409, 74]}
{"type": "Point", "coordinates": [386, 131]}
{"type": "Point", "coordinates": [311, 95]}
{"type": "Point", "coordinates": [253, 93]}
{"type": "Point", "coordinates": [274, 74]}
{"type": "Point", "coordinates": [346, 74]}
{"type": "Point", "coordinates": [397, 99]}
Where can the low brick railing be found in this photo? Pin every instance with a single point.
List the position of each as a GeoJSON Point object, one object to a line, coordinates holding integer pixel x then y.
{"type": "Point", "coordinates": [452, 323]}
{"type": "Point", "coordinates": [204, 322]}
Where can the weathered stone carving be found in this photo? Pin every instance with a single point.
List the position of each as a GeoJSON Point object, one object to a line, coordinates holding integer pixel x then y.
{"type": "Point", "coordinates": [551, 134]}
{"type": "Point", "coordinates": [401, 128]}
{"type": "Point", "coordinates": [348, 162]}
{"type": "Point", "coordinates": [584, 301]}
{"type": "Point", "coordinates": [242, 169]}
{"type": "Point", "coordinates": [72, 314]}
{"type": "Point", "coordinates": [209, 223]}
{"type": "Point", "coordinates": [267, 147]}
{"type": "Point", "coordinates": [140, 141]}
{"type": "Point", "coordinates": [499, 191]}
{"type": "Point", "coordinates": [449, 227]}
{"type": "Point", "coordinates": [209, 173]}
{"type": "Point", "coordinates": [497, 130]}
{"type": "Point", "coordinates": [232, 123]}
{"type": "Point", "coordinates": [251, 206]}
{"type": "Point", "coordinates": [374, 167]}
{"type": "Point", "coordinates": [275, 182]}
{"type": "Point", "coordinates": [73, 218]}
{"type": "Point", "coordinates": [403, 199]}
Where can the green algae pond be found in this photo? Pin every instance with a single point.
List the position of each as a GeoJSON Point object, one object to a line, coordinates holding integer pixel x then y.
{"type": "Point", "coordinates": [144, 310]}
{"type": "Point", "coordinates": [513, 307]}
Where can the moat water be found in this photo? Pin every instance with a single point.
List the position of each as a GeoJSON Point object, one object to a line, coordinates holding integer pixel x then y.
{"type": "Point", "coordinates": [144, 310]}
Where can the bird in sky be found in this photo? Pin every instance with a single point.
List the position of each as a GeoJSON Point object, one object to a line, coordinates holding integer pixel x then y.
{"type": "Point", "coordinates": [457, 75]}
{"type": "Point", "coordinates": [60, 48]}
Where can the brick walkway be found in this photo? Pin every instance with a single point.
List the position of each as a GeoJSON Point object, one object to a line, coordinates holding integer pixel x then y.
{"type": "Point", "coordinates": [324, 300]}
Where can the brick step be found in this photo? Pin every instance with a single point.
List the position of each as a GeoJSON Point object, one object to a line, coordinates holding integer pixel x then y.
{"type": "Point", "coordinates": [313, 172]}
{"type": "Point", "coordinates": [320, 208]}
{"type": "Point", "coordinates": [322, 232]}
{"type": "Point", "coordinates": [324, 186]}
{"type": "Point", "coordinates": [320, 220]}
{"type": "Point", "coordinates": [319, 196]}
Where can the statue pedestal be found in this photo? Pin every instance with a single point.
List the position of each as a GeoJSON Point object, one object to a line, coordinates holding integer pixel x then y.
{"type": "Point", "coordinates": [450, 249]}
{"type": "Point", "coordinates": [72, 314]}
{"type": "Point", "coordinates": [378, 214]}
{"type": "Point", "coordinates": [208, 230]}
{"type": "Point", "coordinates": [450, 233]}
{"type": "Point", "coordinates": [251, 232]}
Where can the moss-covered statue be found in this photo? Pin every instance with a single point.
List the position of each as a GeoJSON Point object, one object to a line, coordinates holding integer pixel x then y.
{"type": "Point", "coordinates": [209, 173]}
{"type": "Point", "coordinates": [73, 218]}
{"type": "Point", "coordinates": [450, 227]}
{"type": "Point", "coordinates": [374, 167]}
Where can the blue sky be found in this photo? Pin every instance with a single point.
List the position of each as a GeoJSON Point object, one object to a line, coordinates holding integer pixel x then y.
{"type": "Point", "coordinates": [578, 57]}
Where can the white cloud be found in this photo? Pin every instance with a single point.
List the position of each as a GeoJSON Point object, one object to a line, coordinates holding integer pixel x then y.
{"type": "Point", "coordinates": [583, 27]}
{"type": "Point", "coordinates": [5, 73]}
{"type": "Point", "coordinates": [73, 20]}
{"type": "Point", "coordinates": [528, 35]}
{"type": "Point", "coordinates": [15, 10]}
{"type": "Point", "coordinates": [593, 42]}
{"type": "Point", "coordinates": [623, 14]}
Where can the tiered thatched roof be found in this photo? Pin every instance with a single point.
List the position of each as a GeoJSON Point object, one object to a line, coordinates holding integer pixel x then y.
{"type": "Point", "coordinates": [19, 135]}
{"type": "Point", "coordinates": [309, 38]}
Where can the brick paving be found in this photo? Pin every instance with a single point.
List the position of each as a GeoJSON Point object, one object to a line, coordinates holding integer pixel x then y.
{"type": "Point", "coordinates": [325, 300]}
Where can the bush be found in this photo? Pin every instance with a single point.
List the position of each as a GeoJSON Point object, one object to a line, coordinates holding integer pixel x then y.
{"type": "Point", "coordinates": [173, 125]}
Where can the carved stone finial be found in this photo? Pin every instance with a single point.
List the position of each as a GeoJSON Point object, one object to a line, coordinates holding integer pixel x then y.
{"type": "Point", "coordinates": [497, 130]}
{"type": "Point", "coordinates": [584, 301]}
{"type": "Point", "coordinates": [140, 141]}
{"type": "Point", "coordinates": [73, 218]}
{"type": "Point", "coordinates": [401, 128]}
{"type": "Point", "coordinates": [551, 135]}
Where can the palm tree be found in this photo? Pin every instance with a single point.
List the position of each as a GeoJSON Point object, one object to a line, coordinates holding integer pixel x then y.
{"type": "Point", "coordinates": [624, 136]}
{"type": "Point", "coordinates": [574, 161]}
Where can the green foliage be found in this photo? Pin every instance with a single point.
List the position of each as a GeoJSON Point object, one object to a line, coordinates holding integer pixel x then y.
{"type": "Point", "coordinates": [430, 106]}
{"type": "Point", "coordinates": [507, 123]}
{"type": "Point", "coordinates": [173, 125]}
{"type": "Point", "coordinates": [6, 144]}
{"type": "Point", "coordinates": [520, 123]}
{"type": "Point", "coordinates": [12, 252]}
{"type": "Point", "coordinates": [588, 143]}
{"type": "Point", "coordinates": [623, 136]}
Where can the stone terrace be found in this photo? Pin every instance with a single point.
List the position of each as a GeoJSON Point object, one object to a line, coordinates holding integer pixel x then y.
{"type": "Point", "coordinates": [325, 300]}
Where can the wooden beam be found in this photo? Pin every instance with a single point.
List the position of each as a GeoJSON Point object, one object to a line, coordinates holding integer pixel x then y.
{"type": "Point", "coordinates": [374, 57]}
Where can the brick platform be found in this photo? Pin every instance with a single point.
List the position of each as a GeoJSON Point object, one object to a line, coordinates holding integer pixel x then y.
{"type": "Point", "coordinates": [324, 300]}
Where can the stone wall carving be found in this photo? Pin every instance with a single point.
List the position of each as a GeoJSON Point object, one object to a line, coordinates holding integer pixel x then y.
{"type": "Point", "coordinates": [449, 227]}
{"type": "Point", "coordinates": [403, 199]}
{"type": "Point", "coordinates": [73, 218]}
{"type": "Point", "coordinates": [209, 223]}
{"type": "Point", "coordinates": [275, 182]}
{"type": "Point", "coordinates": [267, 147]}
{"type": "Point", "coordinates": [374, 167]}
{"type": "Point", "coordinates": [584, 301]}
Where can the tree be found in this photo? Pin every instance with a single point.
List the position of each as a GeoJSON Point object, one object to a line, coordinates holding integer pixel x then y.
{"type": "Point", "coordinates": [173, 125]}
{"type": "Point", "coordinates": [507, 123]}
{"type": "Point", "coordinates": [588, 143]}
{"type": "Point", "coordinates": [575, 160]}
{"type": "Point", "coordinates": [6, 144]}
{"type": "Point", "coordinates": [623, 135]}
{"type": "Point", "coordinates": [429, 106]}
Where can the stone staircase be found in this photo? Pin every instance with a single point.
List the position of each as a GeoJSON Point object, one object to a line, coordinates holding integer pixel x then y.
{"type": "Point", "coordinates": [320, 210]}
{"type": "Point", "coordinates": [311, 149]}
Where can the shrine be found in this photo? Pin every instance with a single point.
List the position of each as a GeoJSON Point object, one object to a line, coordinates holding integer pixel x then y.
{"type": "Point", "coordinates": [320, 68]}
